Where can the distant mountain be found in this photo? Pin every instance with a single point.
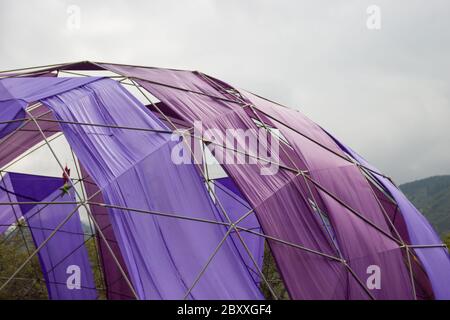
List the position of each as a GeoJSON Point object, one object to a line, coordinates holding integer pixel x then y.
{"type": "Point", "coordinates": [432, 197]}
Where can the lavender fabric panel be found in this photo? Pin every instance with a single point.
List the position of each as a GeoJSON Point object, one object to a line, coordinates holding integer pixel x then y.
{"type": "Point", "coordinates": [233, 203]}
{"type": "Point", "coordinates": [436, 261]}
{"type": "Point", "coordinates": [284, 118]}
{"type": "Point", "coordinates": [286, 214]}
{"type": "Point", "coordinates": [341, 179]}
{"type": "Point", "coordinates": [189, 88]}
{"type": "Point", "coordinates": [183, 79]}
{"type": "Point", "coordinates": [66, 248]}
{"type": "Point", "coordinates": [26, 137]}
{"type": "Point", "coordinates": [134, 169]}
{"type": "Point", "coordinates": [363, 246]}
{"type": "Point", "coordinates": [31, 188]}
{"type": "Point", "coordinates": [15, 94]}
{"type": "Point", "coordinates": [116, 286]}
{"type": "Point", "coordinates": [357, 238]}
{"type": "Point", "coordinates": [64, 251]}
{"type": "Point", "coordinates": [34, 89]}
{"type": "Point", "coordinates": [280, 208]}
{"type": "Point", "coordinates": [8, 213]}
{"type": "Point", "coordinates": [9, 110]}
{"type": "Point", "coordinates": [321, 163]}
{"type": "Point", "coordinates": [178, 249]}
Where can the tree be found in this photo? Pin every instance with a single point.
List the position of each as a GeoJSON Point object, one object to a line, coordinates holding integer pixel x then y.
{"type": "Point", "coordinates": [447, 240]}
{"type": "Point", "coordinates": [15, 247]}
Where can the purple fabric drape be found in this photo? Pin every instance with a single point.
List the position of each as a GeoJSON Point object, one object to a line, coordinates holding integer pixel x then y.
{"type": "Point", "coordinates": [363, 234]}
{"type": "Point", "coordinates": [233, 203]}
{"type": "Point", "coordinates": [65, 250]}
{"type": "Point", "coordinates": [332, 212]}
{"type": "Point", "coordinates": [338, 187]}
{"type": "Point", "coordinates": [116, 286]}
{"type": "Point", "coordinates": [34, 89]}
{"type": "Point", "coordinates": [26, 136]}
{"type": "Point", "coordinates": [18, 135]}
{"type": "Point", "coordinates": [10, 110]}
{"type": "Point", "coordinates": [436, 261]}
{"type": "Point", "coordinates": [8, 213]}
{"type": "Point", "coordinates": [134, 169]}
{"type": "Point", "coordinates": [281, 209]}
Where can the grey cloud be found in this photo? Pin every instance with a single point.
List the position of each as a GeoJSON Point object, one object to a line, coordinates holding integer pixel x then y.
{"type": "Point", "coordinates": [386, 93]}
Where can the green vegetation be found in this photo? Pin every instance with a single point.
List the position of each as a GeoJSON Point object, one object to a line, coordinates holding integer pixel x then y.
{"type": "Point", "coordinates": [432, 197]}
{"type": "Point", "coordinates": [96, 267]}
{"type": "Point", "coordinates": [29, 283]}
{"type": "Point", "coordinates": [447, 241]}
{"type": "Point", "coordinates": [273, 277]}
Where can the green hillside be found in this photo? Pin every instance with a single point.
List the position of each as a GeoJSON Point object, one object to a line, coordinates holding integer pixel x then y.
{"type": "Point", "coordinates": [432, 197]}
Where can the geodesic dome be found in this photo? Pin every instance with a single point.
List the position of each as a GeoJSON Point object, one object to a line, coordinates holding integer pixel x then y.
{"type": "Point", "coordinates": [310, 219]}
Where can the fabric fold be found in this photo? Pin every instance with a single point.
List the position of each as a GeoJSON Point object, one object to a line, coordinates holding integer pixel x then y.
{"type": "Point", "coordinates": [134, 169]}
{"type": "Point", "coordinates": [64, 258]}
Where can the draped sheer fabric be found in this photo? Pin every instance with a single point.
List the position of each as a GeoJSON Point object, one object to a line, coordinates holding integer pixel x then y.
{"type": "Point", "coordinates": [325, 222]}
{"type": "Point", "coordinates": [435, 260]}
{"type": "Point", "coordinates": [164, 255]}
{"type": "Point", "coordinates": [66, 250]}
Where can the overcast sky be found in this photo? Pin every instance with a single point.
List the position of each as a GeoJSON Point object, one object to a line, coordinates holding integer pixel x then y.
{"type": "Point", "coordinates": [384, 92]}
